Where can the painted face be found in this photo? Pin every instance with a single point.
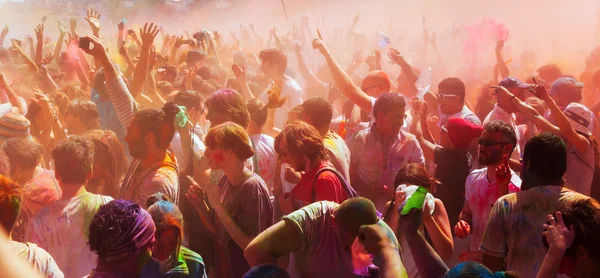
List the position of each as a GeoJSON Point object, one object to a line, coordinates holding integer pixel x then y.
{"type": "Point", "coordinates": [135, 141]}
{"type": "Point", "coordinates": [215, 156]}
{"type": "Point", "coordinates": [166, 242]}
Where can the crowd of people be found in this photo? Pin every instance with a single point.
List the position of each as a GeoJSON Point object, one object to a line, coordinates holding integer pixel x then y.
{"type": "Point", "coordinates": [148, 154]}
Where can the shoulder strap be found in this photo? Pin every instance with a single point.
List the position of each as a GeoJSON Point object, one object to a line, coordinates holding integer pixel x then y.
{"type": "Point", "coordinates": [347, 187]}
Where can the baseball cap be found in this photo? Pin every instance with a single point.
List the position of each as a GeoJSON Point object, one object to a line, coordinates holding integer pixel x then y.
{"type": "Point", "coordinates": [580, 117]}
{"type": "Point", "coordinates": [566, 85]}
{"type": "Point", "coordinates": [462, 132]}
{"type": "Point", "coordinates": [511, 82]}
{"type": "Point", "coordinates": [376, 78]}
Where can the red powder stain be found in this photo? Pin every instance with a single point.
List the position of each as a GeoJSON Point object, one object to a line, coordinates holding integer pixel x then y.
{"type": "Point", "coordinates": [218, 157]}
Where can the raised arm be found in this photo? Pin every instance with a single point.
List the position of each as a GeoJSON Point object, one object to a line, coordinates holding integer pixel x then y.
{"type": "Point", "coordinates": [307, 74]}
{"type": "Point", "coordinates": [118, 93]}
{"type": "Point", "coordinates": [419, 123]}
{"type": "Point", "coordinates": [39, 35]}
{"type": "Point", "coordinates": [563, 123]}
{"type": "Point", "coordinates": [500, 60]}
{"type": "Point", "coordinates": [3, 35]}
{"type": "Point", "coordinates": [407, 69]}
{"type": "Point", "coordinates": [148, 33]}
{"type": "Point", "coordinates": [32, 66]}
{"type": "Point", "coordinates": [240, 76]}
{"type": "Point", "coordinates": [11, 94]}
{"type": "Point", "coordinates": [93, 18]}
{"type": "Point", "coordinates": [342, 80]}
{"type": "Point", "coordinates": [59, 42]}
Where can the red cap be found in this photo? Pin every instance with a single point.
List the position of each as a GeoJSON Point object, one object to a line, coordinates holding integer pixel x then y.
{"type": "Point", "coordinates": [462, 132]}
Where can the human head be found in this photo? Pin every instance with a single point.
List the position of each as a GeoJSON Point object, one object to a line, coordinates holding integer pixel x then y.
{"type": "Point", "coordinates": [474, 269]}
{"type": "Point", "coordinates": [14, 125]}
{"type": "Point", "coordinates": [566, 90]}
{"type": "Point", "coordinates": [460, 133]}
{"type": "Point", "coordinates": [415, 174]}
{"type": "Point", "coordinates": [10, 203]}
{"type": "Point", "coordinates": [227, 106]}
{"type": "Point", "coordinates": [167, 73]}
{"type": "Point", "coordinates": [73, 161]}
{"type": "Point", "coordinates": [75, 91]}
{"type": "Point", "coordinates": [110, 162]}
{"type": "Point", "coordinates": [226, 143]}
{"type": "Point", "coordinates": [23, 156]}
{"type": "Point", "coordinates": [266, 271]}
{"type": "Point", "coordinates": [498, 140]}
{"type": "Point", "coordinates": [151, 130]}
{"type": "Point", "coordinates": [122, 230]}
{"type": "Point", "coordinates": [583, 256]}
{"type": "Point", "coordinates": [192, 101]}
{"type": "Point", "coordinates": [537, 169]}
{"type": "Point", "coordinates": [194, 56]}
{"type": "Point", "coordinates": [549, 72]}
{"type": "Point", "coordinates": [317, 112]}
{"type": "Point", "coordinates": [165, 88]}
{"type": "Point", "coordinates": [169, 229]}
{"type": "Point", "coordinates": [580, 117]}
{"type": "Point", "coordinates": [258, 112]}
{"type": "Point", "coordinates": [352, 214]}
{"type": "Point", "coordinates": [81, 116]}
{"type": "Point", "coordinates": [451, 95]}
{"type": "Point", "coordinates": [375, 83]}
{"type": "Point", "coordinates": [517, 88]}
{"type": "Point", "coordinates": [300, 145]}
{"type": "Point", "coordinates": [273, 62]}
{"type": "Point", "coordinates": [389, 113]}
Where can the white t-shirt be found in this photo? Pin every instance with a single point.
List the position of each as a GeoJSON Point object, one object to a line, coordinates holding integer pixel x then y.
{"type": "Point", "coordinates": [481, 195]}
{"type": "Point", "coordinates": [294, 95]}
{"type": "Point", "coordinates": [264, 152]}
{"type": "Point", "coordinates": [37, 257]}
{"type": "Point", "coordinates": [465, 113]}
{"type": "Point", "coordinates": [177, 150]}
{"type": "Point", "coordinates": [62, 229]}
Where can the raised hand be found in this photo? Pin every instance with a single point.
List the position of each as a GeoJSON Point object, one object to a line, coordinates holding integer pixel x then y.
{"type": "Point", "coordinates": [356, 18]}
{"type": "Point", "coordinates": [239, 72]}
{"type": "Point", "coordinates": [62, 28]}
{"type": "Point", "coordinates": [71, 39]}
{"type": "Point", "coordinates": [123, 51]}
{"type": "Point", "coordinates": [48, 58]}
{"type": "Point", "coordinates": [93, 18]}
{"type": "Point", "coordinates": [274, 92]}
{"type": "Point", "coordinates": [152, 58]}
{"type": "Point", "coordinates": [374, 57]}
{"type": "Point", "coordinates": [318, 44]}
{"type": "Point", "coordinates": [298, 47]}
{"type": "Point", "coordinates": [131, 33]}
{"type": "Point", "coordinates": [4, 31]}
{"type": "Point", "coordinates": [39, 31]}
{"type": "Point", "coordinates": [195, 194]}
{"type": "Point", "coordinates": [73, 25]}
{"type": "Point", "coordinates": [396, 56]}
{"type": "Point", "coordinates": [540, 92]}
{"type": "Point", "coordinates": [97, 49]}
{"type": "Point", "coordinates": [44, 103]}
{"type": "Point", "coordinates": [148, 33]}
{"type": "Point", "coordinates": [334, 92]}
{"type": "Point", "coordinates": [557, 234]}
{"type": "Point", "coordinates": [503, 173]}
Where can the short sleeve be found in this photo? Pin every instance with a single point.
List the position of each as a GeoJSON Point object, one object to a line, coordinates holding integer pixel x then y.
{"type": "Point", "coordinates": [417, 154]}
{"type": "Point", "coordinates": [256, 208]}
{"type": "Point", "coordinates": [494, 242]}
{"type": "Point", "coordinates": [306, 221]}
{"type": "Point", "coordinates": [469, 186]}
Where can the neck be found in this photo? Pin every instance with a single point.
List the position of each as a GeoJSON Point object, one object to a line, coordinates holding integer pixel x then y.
{"type": "Point", "coordinates": [236, 173]}
{"type": "Point", "coordinates": [254, 129]}
{"type": "Point", "coordinates": [72, 190]}
{"type": "Point", "coordinates": [491, 173]}
{"type": "Point", "coordinates": [456, 110]}
{"type": "Point", "coordinates": [506, 108]}
{"type": "Point", "coordinates": [324, 131]}
{"type": "Point", "coordinates": [122, 268]}
{"type": "Point", "coordinates": [23, 177]}
{"type": "Point", "coordinates": [152, 158]}
{"type": "Point", "coordinates": [311, 164]}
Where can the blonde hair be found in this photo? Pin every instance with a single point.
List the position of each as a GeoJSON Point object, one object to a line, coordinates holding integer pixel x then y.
{"type": "Point", "coordinates": [230, 136]}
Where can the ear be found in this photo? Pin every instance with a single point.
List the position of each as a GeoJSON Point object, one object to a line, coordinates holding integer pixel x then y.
{"type": "Point", "coordinates": [150, 139]}
{"type": "Point", "coordinates": [582, 253]}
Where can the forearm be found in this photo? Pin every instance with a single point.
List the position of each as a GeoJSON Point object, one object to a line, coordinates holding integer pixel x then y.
{"type": "Point", "coordinates": [306, 73]}
{"type": "Point", "coordinates": [344, 82]}
{"type": "Point", "coordinates": [82, 75]}
{"type": "Point", "coordinates": [156, 98]}
{"type": "Point", "coordinates": [51, 86]}
{"type": "Point", "coordinates": [118, 93]}
{"type": "Point", "coordinates": [551, 264]}
{"type": "Point", "coordinates": [58, 131]}
{"type": "Point", "coordinates": [408, 71]}
{"type": "Point", "coordinates": [38, 51]}
{"type": "Point", "coordinates": [141, 69]}
{"type": "Point", "coordinates": [279, 44]}
{"type": "Point", "coordinates": [30, 63]}
{"type": "Point", "coordinates": [504, 72]}
{"type": "Point", "coordinates": [14, 99]}
{"type": "Point", "coordinates": [427, 261]}
{"type": "Point", "coordinates": [58, 47]}
{"type": "Point", "coordinates": [561, 119]}
{"type": "Point", "coordinates": [392, 264]}
{"type": "Point", "coordinates": [206, 218]}
{"type": "Point", "coordinates": [232, 228]}
{"type": "Point", "coordinates": [246, 92]}
{"type": "Point", "coordinates": [442, 242]}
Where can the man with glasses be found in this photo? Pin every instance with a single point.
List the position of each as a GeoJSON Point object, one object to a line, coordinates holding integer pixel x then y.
{"type": "Point", "coordinates": [379, 151]}
{"type": "Point", "coordinates": [483, 188]}
{"type": "Point", "coordinates": [451, 102]}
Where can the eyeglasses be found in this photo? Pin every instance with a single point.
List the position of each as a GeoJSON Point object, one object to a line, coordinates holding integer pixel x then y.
{"type": "Point", "coordinates": [490, 143]}
{"type": "Point", "coordinates": [445, 96]}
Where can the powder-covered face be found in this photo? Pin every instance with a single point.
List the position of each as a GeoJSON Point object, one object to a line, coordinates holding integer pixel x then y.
{"type": "Point", "coordinates": [215, 156]}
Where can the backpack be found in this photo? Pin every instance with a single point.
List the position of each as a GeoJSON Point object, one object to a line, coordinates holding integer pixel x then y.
{"type": "Point", "coordinates": [348, 188]}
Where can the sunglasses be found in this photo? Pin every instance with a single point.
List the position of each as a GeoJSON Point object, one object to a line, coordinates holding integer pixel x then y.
{"type": "Point", "coordinates": [490, 143]}
{"type": "Point", "coordinates": [445, 96]}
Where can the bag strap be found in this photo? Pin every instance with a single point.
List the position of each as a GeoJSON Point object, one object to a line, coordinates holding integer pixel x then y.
{"type": "Point", "coordinates": [347, 187]}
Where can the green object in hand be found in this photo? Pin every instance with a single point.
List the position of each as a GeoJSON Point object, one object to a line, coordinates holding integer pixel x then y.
{"type": "Point", "coordinates": [416, 200]}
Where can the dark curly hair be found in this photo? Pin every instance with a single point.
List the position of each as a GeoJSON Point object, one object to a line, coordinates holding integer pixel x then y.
{"type": "Point", "coordinates": [73, 159]}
